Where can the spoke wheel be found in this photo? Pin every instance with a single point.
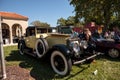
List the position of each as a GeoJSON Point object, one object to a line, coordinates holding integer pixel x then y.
{"type": "Point", "coordinates": [21, 48]}
{"type": "Point", "coordinates": [114, 53]}
{"type": "Point", "coordinates": [60, 64]}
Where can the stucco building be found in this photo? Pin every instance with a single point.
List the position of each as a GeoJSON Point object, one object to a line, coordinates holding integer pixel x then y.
{"type": "Point", "coordinates": [13, 26]}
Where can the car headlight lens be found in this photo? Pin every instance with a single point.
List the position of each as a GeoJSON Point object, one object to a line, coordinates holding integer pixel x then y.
{"type": "Point", "coordinates": [75, 46]}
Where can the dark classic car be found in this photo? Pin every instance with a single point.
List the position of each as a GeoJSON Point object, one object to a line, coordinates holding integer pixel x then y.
{"type": "Point", "coordinates": [110, 46]}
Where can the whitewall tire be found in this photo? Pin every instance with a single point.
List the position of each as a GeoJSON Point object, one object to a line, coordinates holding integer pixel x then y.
{"type": "Point", "coordinates": [60, 64]}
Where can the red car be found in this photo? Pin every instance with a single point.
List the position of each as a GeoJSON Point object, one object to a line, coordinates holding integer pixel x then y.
{"type": "Point", "coordinates": [109, 46]}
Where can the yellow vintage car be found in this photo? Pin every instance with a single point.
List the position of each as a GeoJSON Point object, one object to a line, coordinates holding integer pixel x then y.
{"type": "Point", "coordinates": [62, 51]}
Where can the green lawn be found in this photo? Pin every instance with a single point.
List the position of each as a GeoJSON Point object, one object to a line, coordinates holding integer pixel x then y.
{"type": "Point", "coordinates": [40, 69]}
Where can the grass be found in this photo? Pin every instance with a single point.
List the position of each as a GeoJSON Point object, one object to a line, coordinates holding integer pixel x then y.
{"type": "Point", "coordinates": [40, 69]}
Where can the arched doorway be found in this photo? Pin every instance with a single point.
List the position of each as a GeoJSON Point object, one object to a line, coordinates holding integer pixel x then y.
{"type": "Point", "coordinates": [16, 32]}
{"type": "Point", "coordinates": [5, 33]}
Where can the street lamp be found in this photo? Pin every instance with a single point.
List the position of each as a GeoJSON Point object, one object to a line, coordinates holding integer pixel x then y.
{"type": "Point", "coordinates": [2, 63]}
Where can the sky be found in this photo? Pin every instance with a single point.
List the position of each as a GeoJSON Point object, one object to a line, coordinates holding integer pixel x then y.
{"type": "Point", "coordinates": [43, 10]}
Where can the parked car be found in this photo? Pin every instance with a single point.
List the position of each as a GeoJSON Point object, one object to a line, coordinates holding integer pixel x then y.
{"type": "Point", "coordinates": [110, 46]}
{"type": "Point", "coordinates": [62, 51]}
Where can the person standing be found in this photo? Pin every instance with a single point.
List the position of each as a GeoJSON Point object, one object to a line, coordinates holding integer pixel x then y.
{"type": "Point", "coordinates": [74, 34]}
{"type": "Point", "coordinates": [87, 34]}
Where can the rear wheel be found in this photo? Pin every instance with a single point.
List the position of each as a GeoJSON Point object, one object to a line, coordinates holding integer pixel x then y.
{"type": "Point", "coordinates": [21, 48]}
{"type": "Point", "coordinates": [60, 64]}
{"type": "Point", "coordinates": [114, 53]}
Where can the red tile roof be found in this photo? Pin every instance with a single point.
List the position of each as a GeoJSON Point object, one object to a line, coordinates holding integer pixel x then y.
{"type": "Point", "coordinates": [13, 15]}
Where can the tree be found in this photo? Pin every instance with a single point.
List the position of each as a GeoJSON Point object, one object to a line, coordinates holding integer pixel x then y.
{"type": "Point", "coordinates": [41, 24]}
{"type": "Point", "coordinates": [102, 11]}
{"type": "Point", "coordinates": [70, 21]}
{"type": "Point", "coordinates": [61, 22]}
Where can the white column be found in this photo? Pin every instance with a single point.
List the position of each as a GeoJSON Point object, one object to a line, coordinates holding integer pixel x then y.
{"type": "Point", "coordinates": [11, 37]}
{"type": "Point", "coordinates": [2, 61]}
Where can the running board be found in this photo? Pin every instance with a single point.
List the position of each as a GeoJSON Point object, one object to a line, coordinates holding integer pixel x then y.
{"type": "Point", "coordinates": [83, 60]}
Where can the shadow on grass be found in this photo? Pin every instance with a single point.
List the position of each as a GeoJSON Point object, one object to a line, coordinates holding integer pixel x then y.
{"type": "Point", "coordinates": [82, 69]}
{"type": "Point", "coordinates": [15, 56]}
{"type": "Point", "coordinates": [40, 69]}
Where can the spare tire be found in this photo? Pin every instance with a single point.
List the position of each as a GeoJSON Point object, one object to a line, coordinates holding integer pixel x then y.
{"type": "Point", "coordinates": [41, 47]}
{"type": "Point", "coordinates": [45, 43]}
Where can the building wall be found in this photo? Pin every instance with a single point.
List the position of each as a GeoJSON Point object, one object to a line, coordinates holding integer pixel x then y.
{"type": "Point", "coordinates": [10, 22]}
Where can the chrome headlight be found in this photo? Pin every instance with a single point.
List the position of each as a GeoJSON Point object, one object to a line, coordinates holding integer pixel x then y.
{"type": "Point", "coordinates": [75, 46]}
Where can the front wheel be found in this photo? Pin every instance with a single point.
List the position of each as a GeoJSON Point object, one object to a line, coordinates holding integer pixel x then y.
{"type": "Point", "coordinates": [113, 53]}
{"type": "Point", "coordinates": [60, 64]}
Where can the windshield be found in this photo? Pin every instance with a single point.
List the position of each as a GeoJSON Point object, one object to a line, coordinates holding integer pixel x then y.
{"type": "Point", "coordinates": [44, 30]}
